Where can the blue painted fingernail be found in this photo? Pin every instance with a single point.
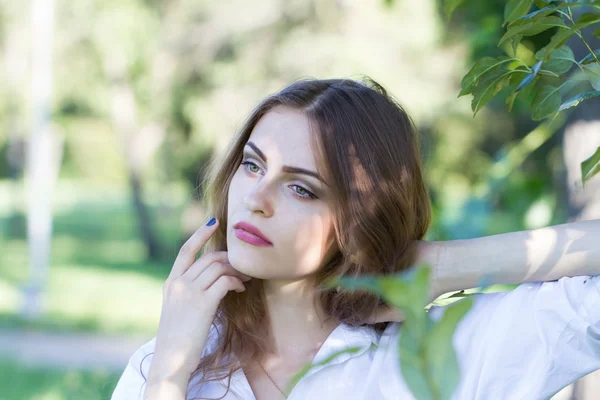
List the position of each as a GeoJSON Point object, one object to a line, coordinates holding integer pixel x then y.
{"type": "Point", "coordinates": [211, 222]}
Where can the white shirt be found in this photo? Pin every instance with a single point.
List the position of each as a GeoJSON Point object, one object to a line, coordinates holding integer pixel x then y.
{"type": "Point", "coordinates": [524, 344]}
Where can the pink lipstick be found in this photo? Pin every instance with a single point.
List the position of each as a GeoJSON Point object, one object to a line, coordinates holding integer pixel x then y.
{"type": "Point", "coordinates": [251, 234]}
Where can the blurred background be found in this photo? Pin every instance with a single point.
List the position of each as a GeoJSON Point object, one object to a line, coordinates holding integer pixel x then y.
{"type": "Point", "coordinates": [109, 111]}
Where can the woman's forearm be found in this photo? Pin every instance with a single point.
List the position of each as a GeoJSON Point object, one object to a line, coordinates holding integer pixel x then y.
{"type": "Point", "coordinates": [535, 255]}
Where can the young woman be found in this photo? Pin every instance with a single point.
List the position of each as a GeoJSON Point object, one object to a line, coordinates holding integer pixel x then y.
{"type": "Point", "coordinates": [323, 180]}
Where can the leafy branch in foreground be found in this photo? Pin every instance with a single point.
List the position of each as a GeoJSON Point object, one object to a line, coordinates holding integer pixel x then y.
{"type": "Point", "coordinates": [426, 354]}
{"type": "Point", "coordinates": [554, 81]}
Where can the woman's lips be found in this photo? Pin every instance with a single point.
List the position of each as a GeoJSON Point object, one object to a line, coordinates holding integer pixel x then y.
{"type": "Point", "coordinates": [250, 238]}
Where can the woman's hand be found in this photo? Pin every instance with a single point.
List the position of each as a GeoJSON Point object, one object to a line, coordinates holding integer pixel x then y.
{"type": "Point", "coordinates": [385, 313]}
{"type": "Point", "coordinates": [191, 295]}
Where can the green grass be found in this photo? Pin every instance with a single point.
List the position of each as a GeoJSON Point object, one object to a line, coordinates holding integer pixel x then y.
{"type": "Point", "coordinates": [21, 382]}
{"type": "Point", "coordinates": [100, 280]}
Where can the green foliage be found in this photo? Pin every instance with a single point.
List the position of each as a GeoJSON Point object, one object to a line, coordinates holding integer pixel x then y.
{"type": "Point", "coordinates": [450, 6]}
{"type": "Point", "coordinates": [546, 100]}
{"type": "Point", "coordinates": [426, 354]}
{"type": "Point", "coordinates": [516, 9]}
{"type": "Point", "coordinates": [489, 75]}
{"type": "Point", "coordinates": [591, 166]}
{"type": "Point", "coordinates": [551, 80]}
{"type": "Point", "coordinates": [572, 102]}
{"type": "Point", "coordinates": [592, 72]}
{"type": "Point", "coordinates": [562, 36]}
{"type": "Point", "coordinates": [560, 61]}
{"type": "Point", "coordinates": [530, 28]}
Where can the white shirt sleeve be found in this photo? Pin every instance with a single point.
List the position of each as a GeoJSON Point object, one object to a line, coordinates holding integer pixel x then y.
{"type": "Point", "coordinates": [530, 342]}
{"type": "Point", "coordinates": [132, 383]}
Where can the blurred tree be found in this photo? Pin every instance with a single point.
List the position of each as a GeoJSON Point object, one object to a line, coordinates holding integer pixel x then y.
{"type": "Point", "coordinates": [168, 80]}
{"type": "Point", "coordinates": [125, 34]}
{"type": "Point", "coordinates": [12, 109]}
{"type": "Point", "coordinates": [44, 154]}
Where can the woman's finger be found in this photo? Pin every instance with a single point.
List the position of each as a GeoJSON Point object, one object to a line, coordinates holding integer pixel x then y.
{"type": "Point", "coordinates": [189, 250]}
{"type": "Point", "coordinates": [224, 284]}
{"type": "Point", "coordinates": [192, 272]}
{"type": "Point", "coordinates": [214, 271]}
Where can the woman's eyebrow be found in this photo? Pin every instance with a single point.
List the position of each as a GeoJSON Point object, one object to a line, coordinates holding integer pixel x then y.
{"type": "Point", "coordinates": [286, 168]}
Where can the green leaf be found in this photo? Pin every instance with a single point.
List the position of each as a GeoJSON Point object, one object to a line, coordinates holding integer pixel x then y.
{"type": "Point", "coordinates": [597, 33]}
{"type": "Point", "coordinates": [557, 40]}
{"type": "Point", "coordinates": [510, 100]}
{"type": "Point", "coordinates": [515, 9]}
{"type": "Point", "coordinates": [419, 283]}
{"type": "Point", "coordinates": [590, 57]}
{"type": "Point", "coordinates": [515, 44]}
{"type": "Point", "coordinates": [564, 34]}
{"type": "Point", "coordinates": [592, 72]}
{"type": "Point", "coordinates": [450, 6]}
{"type": "Point", "coordinates": [413, 368]}
{"type": "Point", "coordinates": [407, 291]}
{"type": "Point", "coordinates": [542, 12]}
{"type": "Point", "coordinates": [573, 101]}
{"type": "Point", "coordinates": [488, 86]}
{"type": "Point", "coordinates": [439, 350]}
{"type": "Point", "coordinates": [549, 9]}
{"type": "Point", "coordinates": [530, 77]}
{"type": "Point", "coordinates": [546, 102]}
{"type": "Point", "coordinates": [588, 19]}
{"type": "Point", "coordinates": [560, 60]}
{"type": "Point", "coordinates": [367, 282]}
{"type": "Point", "coordinates": [591, 166]}
{"type": "Point", "coordinates": [397, 292]}
{"type": "Point", "coordinates": [481, 67]}
{"type": "Point", "coordinates": [533, 28]}
{"type": "Point", "coordinates": [541, 3]}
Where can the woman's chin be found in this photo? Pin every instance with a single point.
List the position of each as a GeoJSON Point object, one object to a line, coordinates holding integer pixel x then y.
{"type": "Point", "coordinates": [244, 263]}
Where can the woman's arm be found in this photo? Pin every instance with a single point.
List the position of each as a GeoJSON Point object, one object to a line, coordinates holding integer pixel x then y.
{"type": "Point", "coordinates": [536, 255]}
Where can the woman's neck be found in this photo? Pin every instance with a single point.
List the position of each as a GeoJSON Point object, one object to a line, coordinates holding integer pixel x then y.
{"type": "Point", "coordinates": [299, 326]}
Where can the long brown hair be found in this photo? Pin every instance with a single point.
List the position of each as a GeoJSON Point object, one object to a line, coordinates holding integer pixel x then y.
{"type": "Point", "coordinates": [368, 151]}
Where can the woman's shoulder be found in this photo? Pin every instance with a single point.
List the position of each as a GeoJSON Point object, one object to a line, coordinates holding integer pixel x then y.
{"type": "Point", "coordinates": [132, 383]}
{"type": "Point", "coordinates": [539, 337]}
{"type": "Point", "coordinates": [549, 330]}
{"type": "Point", "coordinates": [141, 359]}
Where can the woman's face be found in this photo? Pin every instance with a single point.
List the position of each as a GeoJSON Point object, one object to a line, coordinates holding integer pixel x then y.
{"type": "Point", "coordinates": [288, 207]}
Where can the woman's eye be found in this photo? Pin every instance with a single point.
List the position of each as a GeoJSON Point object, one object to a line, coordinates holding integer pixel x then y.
{"type": "Point", "coordinates": [300, 193]}
{"type": "Point", "coordinates": [250, 164]}
{"type": "Point", "coordinates": [303, 193]}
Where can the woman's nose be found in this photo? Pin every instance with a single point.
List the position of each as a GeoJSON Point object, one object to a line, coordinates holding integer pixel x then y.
{"type": "Point", "coordinates": [260, 198]}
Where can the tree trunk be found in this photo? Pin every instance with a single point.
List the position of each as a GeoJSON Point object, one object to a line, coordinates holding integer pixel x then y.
{"type": "Point", "coordinates": [43, 159]}
{"type": "Point", "coordinates": [16, 57]}
{"type": "Point", "coordinates": [136, 152]}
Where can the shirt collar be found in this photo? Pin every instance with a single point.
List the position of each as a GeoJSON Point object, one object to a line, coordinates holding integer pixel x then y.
{"type": "Point", "coordinates": [345, 336]}
{"type": "Point", "coordinates": [342, 337]}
